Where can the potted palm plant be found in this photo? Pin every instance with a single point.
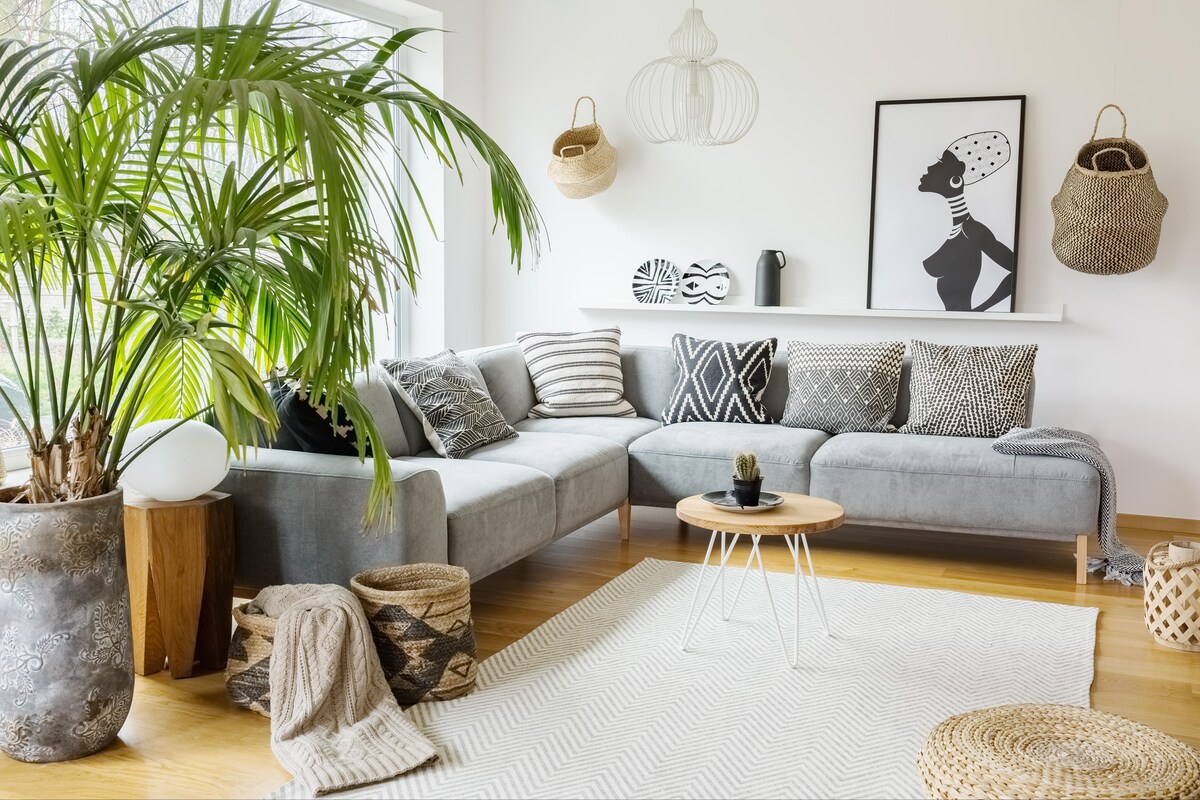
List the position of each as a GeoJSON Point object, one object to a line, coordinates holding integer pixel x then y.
{"type": "Point", "coordinates": [189, 206]}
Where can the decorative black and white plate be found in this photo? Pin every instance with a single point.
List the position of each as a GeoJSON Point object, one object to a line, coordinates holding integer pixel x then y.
{"type": "Point", "coordinates": [705, 282]}
{"type": "Point", "coordinates": [655, 281]}
{"type": "Point", "coordinates": [766, 501]}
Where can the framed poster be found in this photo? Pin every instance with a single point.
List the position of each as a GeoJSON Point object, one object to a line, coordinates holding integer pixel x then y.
{"type": "Point", "coordinates": [945, 204]}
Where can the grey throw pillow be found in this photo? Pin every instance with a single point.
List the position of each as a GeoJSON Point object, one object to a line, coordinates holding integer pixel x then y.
{"type": "Point", "coordinates": [719, 381]}
{"type": "Point", "coordinates": [840, 388]}
{"type": "Point", "coordinates": [960, 390]}
{"type": "Point", "coordinates": [455, 411]}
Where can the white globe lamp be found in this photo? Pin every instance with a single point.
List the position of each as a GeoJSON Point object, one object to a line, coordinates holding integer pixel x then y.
{"type": "Point", "coordinates": [182, 465]}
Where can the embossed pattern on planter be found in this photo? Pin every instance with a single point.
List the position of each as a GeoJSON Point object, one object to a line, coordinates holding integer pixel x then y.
{"type": "Point", "coordinates": [66, 654]}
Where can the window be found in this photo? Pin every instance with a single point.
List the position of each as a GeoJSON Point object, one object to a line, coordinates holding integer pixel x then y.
{"type": "Point", "coordinates": [62, 23]}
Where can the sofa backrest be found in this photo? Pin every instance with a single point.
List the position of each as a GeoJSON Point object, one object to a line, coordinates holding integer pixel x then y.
{"type": "Point", "coordinates": [649, 375]}
{"type": "Point", "coordinates": [506, 378]}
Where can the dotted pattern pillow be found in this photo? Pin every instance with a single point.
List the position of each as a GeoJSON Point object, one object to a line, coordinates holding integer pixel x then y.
{"type": "Point", "coordinates": [958, 390]}
{"type": "Point", "coordinates": [719, 381]}
{"type": "Point", "coordinates": [455, 411]}
{"type": "Point", "coordinates": [576, 374]}
{"type": "Point", "coordinates": [840, 388]}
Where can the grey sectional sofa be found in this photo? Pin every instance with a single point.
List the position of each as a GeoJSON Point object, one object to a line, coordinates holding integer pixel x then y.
{"type": "Point", "coordinates": [298, 514]}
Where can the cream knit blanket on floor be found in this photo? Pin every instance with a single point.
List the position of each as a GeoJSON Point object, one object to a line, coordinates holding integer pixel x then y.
{"type": "Point", "coordinates": [334, 721]}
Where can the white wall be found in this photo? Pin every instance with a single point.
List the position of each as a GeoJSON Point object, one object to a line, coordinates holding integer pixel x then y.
{"type": "Point", "coordinates": [1124, 364]}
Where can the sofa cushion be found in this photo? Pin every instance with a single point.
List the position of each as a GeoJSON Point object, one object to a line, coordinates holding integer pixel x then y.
{"type": "Point", "coordinates": [448, 395]}
{"type": "Point", "coordinates": [591, 475]}
{"type": "Point", "coordinates": [576, 374]}
{"type": "Point", "coordinates": [955, 483]}
{"type": "Point", "coordinates": [838, 388]}
{"type": "Point", "coordinates": [622, 430]}
{"type": "Point", "coordinates": [962, 390]}
{"type": "Point", "coordinates": [694, 457]}
{"type": "Point", "coordinates": [506, 378]}
{"type": "Point", "coordinates": [495, 513]}
{"type": "Point", "coordinates": [719, 381]}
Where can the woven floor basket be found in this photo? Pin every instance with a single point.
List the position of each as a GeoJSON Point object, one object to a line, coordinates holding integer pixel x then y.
{"type": "Point", "coordinates": [420, 617]}
{"type": "Point", "coordinates": [248, 670]}
{"type": "Point", "coordinates": [1108, 215]}
{"type": "Point", "coordinates": [1050, 751]}
{"type": "Point", "coordinates": [1172, 600]}
{"type": "Point", "coordinates": [583, 163]}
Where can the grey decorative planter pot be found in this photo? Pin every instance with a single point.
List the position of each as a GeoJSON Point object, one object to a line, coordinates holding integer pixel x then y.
{"type": "Point", "coordinates": [66, 654]}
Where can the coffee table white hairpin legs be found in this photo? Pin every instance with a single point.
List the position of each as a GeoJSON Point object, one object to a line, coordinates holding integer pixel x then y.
{"type": "Point", "coordinates": [794, 544]}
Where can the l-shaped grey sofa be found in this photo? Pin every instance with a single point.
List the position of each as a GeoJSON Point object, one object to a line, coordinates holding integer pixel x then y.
{"type": "Point", "coordinates": [298, 514]}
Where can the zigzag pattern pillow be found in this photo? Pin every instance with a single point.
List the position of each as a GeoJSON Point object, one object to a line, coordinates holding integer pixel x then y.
{"type": "Point", "coordinates": [455, 411]}
{"type": "Point", "coordinates": [840, 388]}
{"type": "Point", "coordinates": [959, 390]}
{"type": "Point", "coordinates": [719, 381]}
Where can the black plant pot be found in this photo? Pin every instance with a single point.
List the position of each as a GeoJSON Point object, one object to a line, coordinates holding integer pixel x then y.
{"type": "Point", "coordinates": [746, 492]}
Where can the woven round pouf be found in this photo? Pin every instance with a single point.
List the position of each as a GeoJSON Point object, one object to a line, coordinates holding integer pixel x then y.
{"type": "Point", "coordinates": [1050, 751]}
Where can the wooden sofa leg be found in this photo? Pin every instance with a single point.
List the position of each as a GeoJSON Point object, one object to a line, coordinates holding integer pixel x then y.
{"type": "Point", "coordinates": [1081, 556]}
{"type": "Point", "coordinates": [624, 519]}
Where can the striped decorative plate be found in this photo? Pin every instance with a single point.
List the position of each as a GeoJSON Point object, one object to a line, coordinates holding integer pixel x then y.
{"type": "Point", "coordinates": [655, 281]}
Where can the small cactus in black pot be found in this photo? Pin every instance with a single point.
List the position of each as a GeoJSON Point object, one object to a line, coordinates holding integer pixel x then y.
{"type": "Point", "coordinates": [747, 479]}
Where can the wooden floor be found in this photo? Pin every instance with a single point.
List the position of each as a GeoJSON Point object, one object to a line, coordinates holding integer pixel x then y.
{"type": "Point", "coordinates": [184, 739]}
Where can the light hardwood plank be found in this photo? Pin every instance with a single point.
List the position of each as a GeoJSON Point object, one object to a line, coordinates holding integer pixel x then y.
{"type": "Point", "coordinates": [185, 739]}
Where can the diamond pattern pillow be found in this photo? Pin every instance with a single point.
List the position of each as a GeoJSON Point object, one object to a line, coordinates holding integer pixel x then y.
{"type": "Point", "coordinates": [456, 413]}
{"type": "Point", "coordinates": [840, 388]}
{"type": "Point", "coordinates": [959, 390]}
{"type": "Point", "coordinates": [719, 381]}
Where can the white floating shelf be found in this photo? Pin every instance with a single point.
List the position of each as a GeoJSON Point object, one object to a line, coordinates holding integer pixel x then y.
{"type": "Point", "coordinates": [1047, 313]}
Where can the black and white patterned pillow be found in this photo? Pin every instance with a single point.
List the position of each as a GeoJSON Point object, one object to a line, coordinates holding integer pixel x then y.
{"type": "Point", "coordinates": [961, 390]}
{"type": "Point", "coordinates": [719, 381]}
{"type": "Point", "coordinates": [455, 411]}
{"type": "Point", "coordinates": [576, 374]}
{"type": "Point", "coordinates": [840, 388]}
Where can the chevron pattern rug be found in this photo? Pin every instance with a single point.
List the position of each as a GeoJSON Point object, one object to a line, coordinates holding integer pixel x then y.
{"type": "Point", "coordinates": [600, 702]}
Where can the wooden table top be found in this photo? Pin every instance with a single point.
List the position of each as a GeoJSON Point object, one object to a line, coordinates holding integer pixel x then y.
{"type": "Point", "coordinates": [798, 513]}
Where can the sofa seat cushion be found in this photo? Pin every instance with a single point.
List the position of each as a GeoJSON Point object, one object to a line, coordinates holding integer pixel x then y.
{"type": "Point", "coordinates": [590, 474]}
{"type": "Point", "coordinates": [955, 483]}
{"type": "Point", "coordinates": [495, 513]}
{"type": "Point", "coordinates": [622, 430]}
{"type": "Point", "coordinates": [695, 457]}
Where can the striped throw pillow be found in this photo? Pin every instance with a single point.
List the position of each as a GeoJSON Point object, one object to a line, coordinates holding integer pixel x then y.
{"type": "Point", "coordinates": [576, 374]}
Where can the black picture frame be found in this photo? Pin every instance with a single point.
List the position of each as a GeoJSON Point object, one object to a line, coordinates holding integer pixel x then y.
{"type": "Point", "coordinates": [890, 267]}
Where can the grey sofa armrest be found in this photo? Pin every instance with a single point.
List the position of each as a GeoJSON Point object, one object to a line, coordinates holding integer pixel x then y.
{"type": "Point", "coordinates": [298, 518]}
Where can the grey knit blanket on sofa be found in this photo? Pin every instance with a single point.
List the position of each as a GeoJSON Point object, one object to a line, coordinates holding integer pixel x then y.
{"type": "Point", "coordinates": [1119, 562]}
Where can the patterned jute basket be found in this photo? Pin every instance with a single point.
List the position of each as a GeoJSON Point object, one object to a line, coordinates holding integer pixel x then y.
{"type": "Point", "coordinates": [583, 162]}
{"type": "Point", "coordinates": [1108, 215]}
{"type": "Point", "coordinates": [248, 670]}
{"type": "Point", "coordinates": [1172, 599]}
{"type": "Point", "coordinates": [420, 617]}
{"type": "Point", "coordinates": [1053, 751]}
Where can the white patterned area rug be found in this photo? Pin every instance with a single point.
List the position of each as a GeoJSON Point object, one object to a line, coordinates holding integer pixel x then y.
{"type": "Point", "coordinates": [600, 702]}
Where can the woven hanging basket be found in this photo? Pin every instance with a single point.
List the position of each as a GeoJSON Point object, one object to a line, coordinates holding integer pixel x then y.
{"type": "Point", "coordinates": [583, 162]}
{"type": "Point", "coordinates": [1108, 214]}
{"type": "Point", "coordinates": [1054, 751]}
{"type": "Point", "coordinates": [248, 670]}
{"type": "Point", "coordinates": [1172, 599]}
{"type": "Point", "coordinates": [420, 617]}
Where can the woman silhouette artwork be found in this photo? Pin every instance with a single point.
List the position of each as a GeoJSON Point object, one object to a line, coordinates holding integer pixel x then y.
{"type": "Point", "coordinates": [958, 262]}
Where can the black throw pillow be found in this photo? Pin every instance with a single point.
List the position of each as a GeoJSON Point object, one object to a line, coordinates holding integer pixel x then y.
{"type": "Point", "coordinates": [307, 429]}
{"type": "Point", "coordinates": [719, 381]}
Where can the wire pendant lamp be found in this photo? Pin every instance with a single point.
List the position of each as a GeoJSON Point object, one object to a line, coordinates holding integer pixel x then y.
{"type": "Point", "coordinates": [692, 97]}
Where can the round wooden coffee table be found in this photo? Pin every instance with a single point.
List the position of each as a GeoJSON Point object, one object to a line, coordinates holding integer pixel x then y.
{"type": "Point", "coordinates": [798, 516]}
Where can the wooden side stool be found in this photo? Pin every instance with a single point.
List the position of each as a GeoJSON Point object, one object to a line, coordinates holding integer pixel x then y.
{"type": "Point", "coordinates": [180, 562]}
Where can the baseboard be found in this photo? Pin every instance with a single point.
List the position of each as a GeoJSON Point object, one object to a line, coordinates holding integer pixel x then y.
{"type": "Point", "coordinates": [1166, 524]}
